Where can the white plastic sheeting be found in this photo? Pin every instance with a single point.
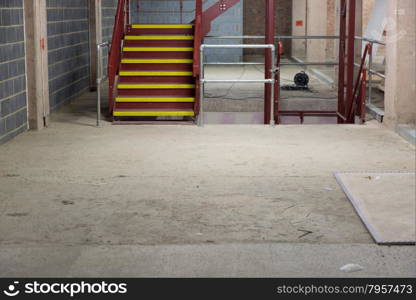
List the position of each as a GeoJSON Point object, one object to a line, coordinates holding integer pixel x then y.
{"type": "Point", "coordinates": [377, 23]}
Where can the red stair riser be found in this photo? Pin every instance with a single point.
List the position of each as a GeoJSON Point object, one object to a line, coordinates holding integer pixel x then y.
{"type": "Point", "coordinates": [162, 55]}
{"type": "Point", "coordinates": [150, 105]}
{"type": "Point", "coordinates": [157, 79]}
{"type": "Point", "coordinates": [159, 43]}
{"type": "Point", "coordinates": [156, 31]}
{"type": "Point", "coordinates": [156, 67]}
{"type": "Point", "coordinates": [157, 92]}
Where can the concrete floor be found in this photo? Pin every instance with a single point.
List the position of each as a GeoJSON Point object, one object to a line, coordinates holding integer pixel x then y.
{"type": "Point", "coordinates": [77, 200]}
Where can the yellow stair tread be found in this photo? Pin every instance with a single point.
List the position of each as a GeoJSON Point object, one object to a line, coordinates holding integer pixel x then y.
{"type": "Point", "coordinates": [155, 86]}
{"type": "Point", "coordinates": [156, 61]}
{"type": "Point", "coordinates": [158, 37]}
{"type": "Point", "coordinates": [155, 73]}
{"type": "Point", "coordinates": [158, 49]}
{"type": "Point", "coordinates": [162, 26]}
{"type": "Point", "coordinates": [153, 113]}
{"type": "Point", "coordinates": [155, 99]}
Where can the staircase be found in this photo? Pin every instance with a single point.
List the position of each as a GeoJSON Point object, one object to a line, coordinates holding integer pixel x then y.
{"type": "Point", "coordinates": [155, 80]}
{"type": "Point", "coordinates": [153, 69]}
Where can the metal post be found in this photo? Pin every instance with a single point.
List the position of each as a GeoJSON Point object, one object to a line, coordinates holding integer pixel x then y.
{"type": "Point", "coordinates": [201, 87]}
{"type": "Point", "coordinates": [272, 85]}
{"type": "Point", "coordinates": [341, 60]}
{"type": "Point", "coordinates": [370, 75]}
{"type": "Point", "coordinates": [99, 74]}
{"type": "Point", "coordinates": [270, 39]}
{"type": "Point", "coordinates": [100, 78]}
{"type": "Point", "coordinates": [351, 58]}
{"type": "Point", "coordinates": [279, 52]}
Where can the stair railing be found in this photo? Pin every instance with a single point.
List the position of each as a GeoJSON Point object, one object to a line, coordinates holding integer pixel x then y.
{"type": "Point", "coordinates": [357, 103]}
{"type": "Point", "coordinates": [114, 56]}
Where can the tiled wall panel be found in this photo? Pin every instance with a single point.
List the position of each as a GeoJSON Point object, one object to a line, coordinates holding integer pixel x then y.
{"type": "Point", "coordinates": [68, 43]}
{"type": "Point", "coordinates": [13, 107]}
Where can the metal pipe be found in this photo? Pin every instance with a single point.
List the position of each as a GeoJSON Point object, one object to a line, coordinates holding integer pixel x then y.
{"type": "Point", "coordinates": [270, 33]}
{"type": "Point", "coordinates": [236, 80]}
{"type": "Point", "coordinates": [377, 73]}
{"type": "Point", "coordinates": [99, 74]}
{"type": "Point", "coordinates": [277, 37]}
{"type": "Point", "coordinates": [329, 63]}
{"type": "Point", "coordinates": [308, 37]}
{"type": "Point", "coordinates": [234, 63]}
{"type": "Point", "coordinates": [370, 76]}
{"type": "Point", "coordinates": [272, 83]}
{"type": "Point", "coordinates": [100, 78]}
{"type": "Point", "coordinates": [372, 72]}
{"type": "Point", "coordinates": [239, 46]}
{"type": "Point", "coordinates": [201, 87]}
{"type": "Point", "coordinates": [370, 40]}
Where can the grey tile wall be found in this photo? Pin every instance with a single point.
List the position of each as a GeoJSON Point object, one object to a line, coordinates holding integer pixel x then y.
{"type": "Point", "coordinates": [13, 107]}
{"type": "Point", "coordinates": [108, 13]}
{"type": "Point", "coordinates": [68, 43]}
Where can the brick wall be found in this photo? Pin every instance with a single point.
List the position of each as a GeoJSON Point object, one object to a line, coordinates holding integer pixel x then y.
{"type": "Point", "coordinates": [13, 108]}
{"type": "Point", "coordinates": [255, 21]}
{"type": "Point", "coordinates": [68, 56]}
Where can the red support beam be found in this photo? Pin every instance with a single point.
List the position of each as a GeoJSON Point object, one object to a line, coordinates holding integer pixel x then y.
{"type": "Point", "coordinates": [277, 84]}
{"type": "Point", "coordinates": [342, 54]}
{"type": "Point", "coordinates": [351, 56]}
{"type": "Point", "coordinates": [198, 40]}
{"type": "Point", "coordinates": [270, 34]}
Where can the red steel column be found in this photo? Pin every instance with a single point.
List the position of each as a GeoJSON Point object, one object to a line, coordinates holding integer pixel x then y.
{"type": "Point", "coordinates": [351, 57]}
{"type": "Point", "coordinates": [270, 34]}
{"type": "Point", "coordinates": [342, 54]}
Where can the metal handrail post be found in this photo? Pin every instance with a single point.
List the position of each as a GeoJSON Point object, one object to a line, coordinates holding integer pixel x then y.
{"type": "Point", "coordinates": [272, 72]}
{"type": "Point", "coordinates": [201, 87]}
{"type": "Point", "coordinates": [100, 78]}
{"type": "Point", "coordinates": [99, 72]}
{"type": "Point", "coordinates": [370, 75]}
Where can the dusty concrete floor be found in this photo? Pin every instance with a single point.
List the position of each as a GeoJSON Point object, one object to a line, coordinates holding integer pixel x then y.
{"type": "Point", "coordinates": [75, 197]}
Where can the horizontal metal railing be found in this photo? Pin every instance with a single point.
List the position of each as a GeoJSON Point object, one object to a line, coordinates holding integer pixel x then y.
{"type": "Point", "coordinates": [372, 41]}
{"type": "Point", "coordinates": [277, 37]}
{"type": "Point", "coordinates": [271, 81]}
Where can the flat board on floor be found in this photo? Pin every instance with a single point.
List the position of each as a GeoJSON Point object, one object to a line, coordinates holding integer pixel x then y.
{"type": "Point", "coordinates": [385, 202]}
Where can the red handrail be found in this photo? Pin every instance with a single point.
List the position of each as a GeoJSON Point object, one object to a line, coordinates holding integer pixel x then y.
{"type": "Point", "coordinates": [197, 37]}
{"type": "Point", "coordinates": [114, 55]}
